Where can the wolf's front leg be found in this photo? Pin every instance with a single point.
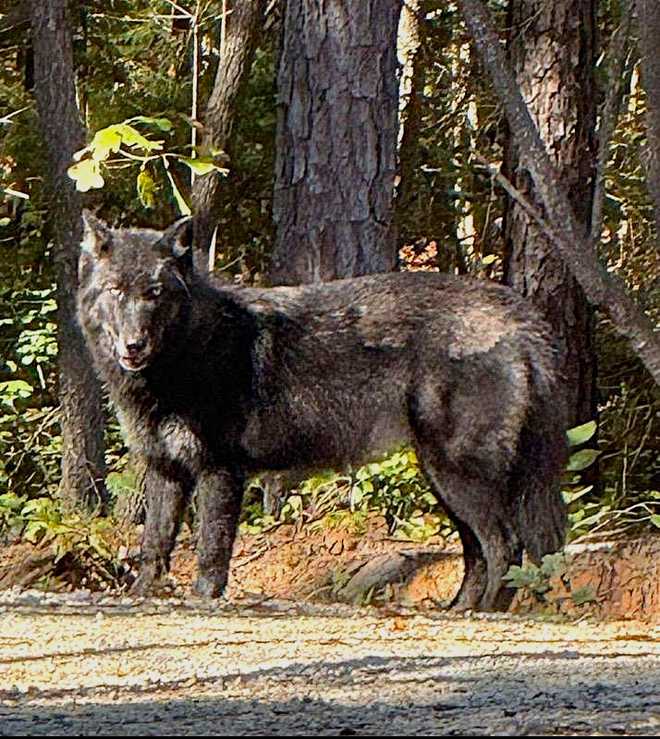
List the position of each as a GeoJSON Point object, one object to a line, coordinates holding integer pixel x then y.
{"type": "Point", "coordinates": [165, 491]}
{"type": "Point", "coordinates": [219, 496]}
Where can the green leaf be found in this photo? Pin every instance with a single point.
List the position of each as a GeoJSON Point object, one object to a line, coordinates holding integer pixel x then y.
{"type": "Point", "coordinates": [33, 530]}
{"type": "Point", "coordinates": [11, 501]}
{"type": "Point", "coordinates": [579, 434]}
{"type": "Point", "coordinates": [105, 142]}
{"type": "Point", "coordinates": [146, 188]}
{"type": "Point", "coordinates": [430, 499]}
{"type": "Point", "coordinates": [203, 166]}
{"type": "Point", "coordinates": [184, 208]}
{"type": "Point", "coordinates": [87, 175]}
{"type": "Point", "coordinates": [18, 388]}
{"type": "Point", "coordinates": [553, 565]}
{"type": "Point", "coordinates": [163, 124]}
{"type": "Point", "coordinates": [655, 520]}
{"type": "Point", "coordinates": [357, 494]}
{"type": "Point", "coordinates": [12, 390]}
{"type": "Point", "coordinates": [591, 520]}
{"type": "Point", "coordinates": [109, 141]}
{"type": "Point", "coordinates": [132, 137]}
{"type": "Point", "coordinates": [582, 459]}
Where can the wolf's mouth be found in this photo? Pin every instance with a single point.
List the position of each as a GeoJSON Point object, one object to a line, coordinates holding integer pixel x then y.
{"type": "Point", "coordinates": [133, 364]}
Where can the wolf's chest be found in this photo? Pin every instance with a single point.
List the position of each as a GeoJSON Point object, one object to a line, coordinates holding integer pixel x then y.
{"type": "Point", "coordinates": [166, 436]}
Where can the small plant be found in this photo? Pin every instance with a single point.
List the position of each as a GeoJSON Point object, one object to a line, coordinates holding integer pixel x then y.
{"type": "Point", "coordinates": [549, 583]}
{"type": "Point", "coordinates": [589, 516]}
{"type": "Point", "coordinates": [535, 580]}
{"type": "Point", "coordinates": [353, 522]}
{"type": "Point", "coordinates": [79, 545]}
{"type": "Point", "coordinates": [395, 486]}
{"type": "Point", "coordinates": [11, 519]}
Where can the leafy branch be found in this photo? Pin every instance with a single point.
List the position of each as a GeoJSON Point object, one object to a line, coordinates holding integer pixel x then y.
{"type": "Point", "coordinates": [122, 144]}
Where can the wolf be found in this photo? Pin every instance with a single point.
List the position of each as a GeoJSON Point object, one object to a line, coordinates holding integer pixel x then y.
{"type": "Point", "coordinates": [214, 383]}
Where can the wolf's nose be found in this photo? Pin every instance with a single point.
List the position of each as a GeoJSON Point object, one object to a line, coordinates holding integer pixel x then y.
{"type": "Point", "coordinates": [133, 348]}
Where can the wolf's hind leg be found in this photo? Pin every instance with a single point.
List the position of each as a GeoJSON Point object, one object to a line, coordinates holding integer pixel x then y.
{"type": "Point", "coordinates": [490, 542]}
{"type": "Point", "coordinates": [219, 496]}
{"type": "Point", "coordinates": [165, 489]}
{"type": "Point", "coordinates": [475, 574]}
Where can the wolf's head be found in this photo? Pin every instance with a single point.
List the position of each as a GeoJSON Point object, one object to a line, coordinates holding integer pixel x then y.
{"type": "Point", "coordinates": [133, 289]}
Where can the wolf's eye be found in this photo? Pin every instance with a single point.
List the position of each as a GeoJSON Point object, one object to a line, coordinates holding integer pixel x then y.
{"type": "Point", "coordinates": [153, 292]}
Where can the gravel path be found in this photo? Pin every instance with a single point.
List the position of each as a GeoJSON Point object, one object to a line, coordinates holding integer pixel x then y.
{"type": "Point", "coordinates": [81, 665]}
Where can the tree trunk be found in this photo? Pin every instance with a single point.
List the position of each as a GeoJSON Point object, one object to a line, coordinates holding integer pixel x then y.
{"type": "Point", "coordinates": [336, 140]}
{"type": "Point", "coordinates": [561, 227]}
{"type": "Point", "coordinates": [649, 42]}
{"type": "Point", "coordinates": [243, 25]}
{"type": "Point", "coordinates": [552, 49]}
{"type": "Point", "coordinates": [83, 467]}
{"type": "Point", "coordinates": [411, 35]}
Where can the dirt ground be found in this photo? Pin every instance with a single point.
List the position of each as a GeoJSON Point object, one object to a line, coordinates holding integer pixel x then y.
{"type": "Point", "coordinates": [294, 650]}
{"type": "Point", "coordinates": [339, 563]}
{"type": "Point", "coordinates": [80, 664]}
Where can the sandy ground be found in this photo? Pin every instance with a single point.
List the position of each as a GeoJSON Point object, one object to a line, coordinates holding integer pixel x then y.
{"type": "Point", "coordinates": [82, 664]}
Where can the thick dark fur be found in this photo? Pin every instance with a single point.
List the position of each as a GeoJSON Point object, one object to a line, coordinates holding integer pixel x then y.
{"type": "Point", "coordinates": [213, 383]}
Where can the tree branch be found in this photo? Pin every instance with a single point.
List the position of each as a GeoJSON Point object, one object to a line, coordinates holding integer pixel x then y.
{"type": "Point", "coordinates": [602, 289]}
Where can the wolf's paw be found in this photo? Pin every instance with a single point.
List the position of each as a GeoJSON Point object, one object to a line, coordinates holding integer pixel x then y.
{"type": "Point", "coordinates": [209, 587]}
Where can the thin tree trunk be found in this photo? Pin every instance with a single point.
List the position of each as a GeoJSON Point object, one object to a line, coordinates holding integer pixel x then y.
{"type": "Point", "coordinates": [552, 49]}
{"type": "Point", "coordinates": [602, 289]}
{"type": "Point", "coordinates": [243, 26]}
{"type": "Point", "coordinates": [83, 468]}
{"type": "Point", "coordinates": [336, 140]}
{"type": "Point", "coordinates": [649, 42]}
{"type": "Point", "coordinates": [410, 38]}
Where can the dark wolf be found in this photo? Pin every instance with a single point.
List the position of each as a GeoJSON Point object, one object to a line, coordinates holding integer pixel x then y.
{"type": "Point", "coordinates": [212, 384]}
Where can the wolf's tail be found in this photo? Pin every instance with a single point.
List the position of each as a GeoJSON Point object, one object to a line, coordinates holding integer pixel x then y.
{"type": "Point", "coordinates": [541, 456]}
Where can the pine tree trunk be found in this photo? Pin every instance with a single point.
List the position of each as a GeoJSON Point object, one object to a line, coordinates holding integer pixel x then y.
{"type": "Point", "coordinates": [81, 415]}
{"type": "Point", "coordinates": [336, 140]}
{"type": "Point", "coordinates": [552, 49]}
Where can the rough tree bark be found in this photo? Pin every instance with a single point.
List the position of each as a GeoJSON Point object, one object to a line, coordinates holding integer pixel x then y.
{"type": "Point", "coordinates": [336, 140]}
{"type": "Point", "coordinates": [552, 47]}
{"type": "Point", "coordinates": [602, 289]}
{"type": "Point", "coordinates": [81, 415]}
{"type": "Point", "coordinates": [649, 42]}
{"type": "Point", "coordinates": [243, 25]}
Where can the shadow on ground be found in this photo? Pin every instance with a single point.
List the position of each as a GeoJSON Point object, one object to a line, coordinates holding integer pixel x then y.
{"type": "Point", "coordinates": [548, 693]}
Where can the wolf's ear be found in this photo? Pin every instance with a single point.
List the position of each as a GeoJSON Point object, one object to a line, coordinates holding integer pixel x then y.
{"type": "Point", "coordinates": [176, 242]}
{"type": "Point", "coordinates": [95, 244]}
{"type": "Point", "coordinates": [96, 236]}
